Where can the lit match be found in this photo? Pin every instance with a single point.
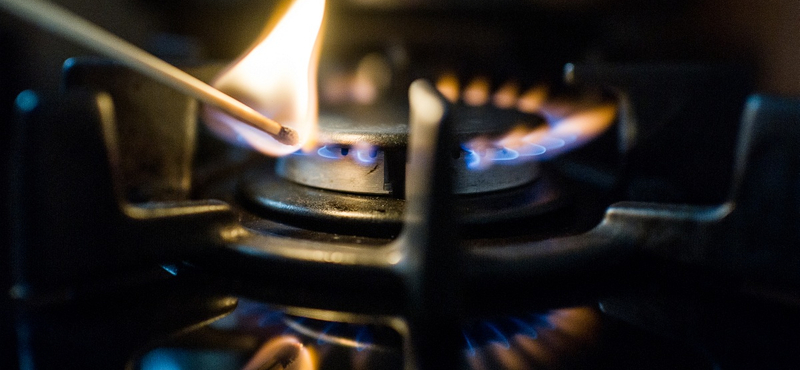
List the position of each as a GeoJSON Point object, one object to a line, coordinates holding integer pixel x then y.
{"type": "Point", "coordinates": [60, 21]}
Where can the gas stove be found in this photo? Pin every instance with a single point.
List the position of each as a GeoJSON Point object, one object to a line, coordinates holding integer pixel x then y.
{"type": "Point", "coordinates": [436, 226]}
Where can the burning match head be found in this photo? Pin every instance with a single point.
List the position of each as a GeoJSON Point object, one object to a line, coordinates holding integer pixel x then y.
{"type": "Point", "coordinates": [288, 354]}
{"type": "Point", "coordinates": [287, 136]}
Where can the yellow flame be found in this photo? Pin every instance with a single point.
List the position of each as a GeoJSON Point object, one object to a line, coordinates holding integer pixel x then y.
{"type": "Point", "coordinates": [278, 78]}
{"type": "Point", "coordinates": [533, 99]}
{"type": "Point", "coordinates": [506, 96]}
{"type": "Point", "coordinates": [477, 92]}
{"type": "Point", "coordinates": [283, 350]}
{"type": "Point", "coordinates": [449, 87]}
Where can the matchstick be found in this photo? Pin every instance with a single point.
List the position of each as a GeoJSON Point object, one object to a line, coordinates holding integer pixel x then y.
{"type": "Point", "coordinates": [60, 21]}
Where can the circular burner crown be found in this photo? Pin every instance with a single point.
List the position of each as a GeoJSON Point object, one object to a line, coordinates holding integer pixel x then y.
{"type": "Point", "coordinates": [363, 152]}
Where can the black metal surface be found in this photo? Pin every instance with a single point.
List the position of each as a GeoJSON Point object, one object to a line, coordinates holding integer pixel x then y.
{"type": "Point", "coordinates": [690, 235]}
{"type": "Point", "coordinates": [104, 329]}
{"type": "Point", "coordinates": [430, 257]}
{"type": "Point", "coordinates": [678, 125]}
{"type": "Point", "coordinates": [71, 222]}
{"type": "Point", "coordinates": [10, 84]}
{"type": "Point", "coordinates": [577, 338]}
{"type": "Point", "coordinates": [719, 282]}
{"type": "Point", "coordinates": [156, 132]}
{"type": "Point", "coordinates": [331, 211]}
{"type": "Point", "coordinates": [428, 276]}
{"type": "Point", "coordinates": [82, 258]}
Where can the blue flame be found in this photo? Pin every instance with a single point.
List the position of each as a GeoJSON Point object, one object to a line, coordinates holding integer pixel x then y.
{"type": "Point", "coordinates": [161, 359]}
{"type": "Point", "coordinates": [327, 153]}
{"type": "Point", "coordinates": [473, 158]}
{"type": "Point", "coordinates": [363, 155]}
{"type": "Point", "coordinates": [499, 331]}
{"type": "Point", "coordinates": [325, 331]}
{"type": "Point", "coordinates": [363, 338]}
{"type": "Point", "coordinates": [366, 155]}
{"type": "Point", "coordinates": [552, 142]}
{"type": "Point", "coordinates": [505, 154]}
{"type": "Point", "coordinates": [526, 328]}
{"type": "Point", "coordinates": [477, 160]}
{"type": "Point", "coordinates": [172, 269]}
{"type": "Point", "coordinates": [542, 320]}
{"type": "Point", "coordinates": [500, 338]}
{"type": "Point", "coordinates": [531, 150]}
{"type": "Point", "coordinates": [470, 347]}
{"type": "Point", "coordinates": [271, 318]}
{"type": "Point", "coordinates": [569, 139]}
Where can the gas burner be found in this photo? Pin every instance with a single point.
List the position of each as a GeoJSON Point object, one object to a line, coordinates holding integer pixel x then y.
{"type": "Point", "coordinates": [260, 336]}
{"type": "Point", "coordinates": [355, 181]}
{"type": "Point", "coordinates": [453, 297]}
{"type": "Point", "coordinates": [548, 339]}
{"type": "Point", "coordinates": [365, 154]}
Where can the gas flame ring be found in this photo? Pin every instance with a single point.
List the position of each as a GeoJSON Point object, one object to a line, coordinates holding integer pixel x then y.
{"type": "Point", "coordinates": [515, 342]}
{"type": "Point", "coordinates": [570, 124]}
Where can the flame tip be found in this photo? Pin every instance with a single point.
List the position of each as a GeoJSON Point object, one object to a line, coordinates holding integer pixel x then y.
{"type": "Point", "coordinates": [277, 78]}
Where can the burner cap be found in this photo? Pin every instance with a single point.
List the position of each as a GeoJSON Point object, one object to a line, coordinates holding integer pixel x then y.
{"type": "Point", "coordinates": [382, 216]}
{"type": "Point", "coordinates": [364, 152]}
{"type": "Point", "coordinates": [354, 183]}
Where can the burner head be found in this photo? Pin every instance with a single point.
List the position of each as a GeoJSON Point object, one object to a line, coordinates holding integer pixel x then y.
{"type": "Point", "coordinates": [364, 152]}
{"type": "Point", "coordinates": [354, 183]}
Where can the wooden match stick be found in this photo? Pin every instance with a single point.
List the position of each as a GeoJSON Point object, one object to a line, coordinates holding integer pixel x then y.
{"type": "Point", "coordinates": [60, 21]}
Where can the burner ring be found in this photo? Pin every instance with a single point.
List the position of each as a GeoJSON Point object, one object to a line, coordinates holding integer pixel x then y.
{"type": "Point", "coordinates": [364, 152]}
{"type": "Point", "coordinates": [381, 172]}
{"type": "Point", "coordinates": [371, 215]}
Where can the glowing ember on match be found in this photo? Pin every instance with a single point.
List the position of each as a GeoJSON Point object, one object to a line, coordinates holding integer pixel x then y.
{"type": "Point", "coordinates": [278, 78]}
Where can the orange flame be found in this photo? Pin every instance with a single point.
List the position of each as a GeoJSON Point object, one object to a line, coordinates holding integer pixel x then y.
{"type": "Point", "coordinates": [506, 96]}
{"type": "Point", "coordinates": [284, 352]}
{"type": "Point", "coordinates": [533, 99]}
{"type": "Point", "coordinates": [570, 123]}
{"type": "Point", "coordinates": [561, 135]}
{"type": "Point", "coordinates": [477, 92]}
{"type": "Point", "coordinates": [449, 87]}
{"type": "Point", "coordinates": [278, 78]}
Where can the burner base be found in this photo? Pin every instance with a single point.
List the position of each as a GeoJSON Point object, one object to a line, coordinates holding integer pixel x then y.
{"type": "Point", "coordinates": [370, 215]}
